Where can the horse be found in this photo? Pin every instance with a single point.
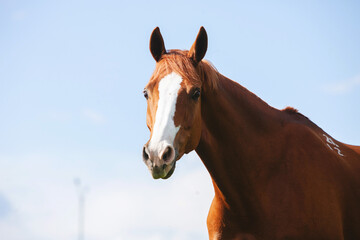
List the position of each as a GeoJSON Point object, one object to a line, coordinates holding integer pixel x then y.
{"type": "Point", "coordinates": [275, 173]}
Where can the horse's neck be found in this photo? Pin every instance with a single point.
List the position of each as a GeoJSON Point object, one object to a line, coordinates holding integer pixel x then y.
{"type": "Point", "coordinates": [235, 144]}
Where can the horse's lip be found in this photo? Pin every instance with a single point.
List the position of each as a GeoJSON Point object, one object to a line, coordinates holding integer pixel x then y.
{"type": "Point", "coordinates": [171, 171]}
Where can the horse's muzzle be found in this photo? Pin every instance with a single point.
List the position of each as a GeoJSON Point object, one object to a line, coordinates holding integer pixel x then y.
{"type": "Point", "coordinates": [160, 161]}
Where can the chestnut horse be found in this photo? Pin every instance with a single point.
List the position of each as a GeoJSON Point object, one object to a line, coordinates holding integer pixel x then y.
{"type": "Point", "coordinates": [276, 174]}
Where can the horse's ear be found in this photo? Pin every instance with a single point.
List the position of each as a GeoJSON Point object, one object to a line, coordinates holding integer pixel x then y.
{"type": "Point", "coordinates": [157, 46]}
{"type": "Point", "coordinates": [198, 49]}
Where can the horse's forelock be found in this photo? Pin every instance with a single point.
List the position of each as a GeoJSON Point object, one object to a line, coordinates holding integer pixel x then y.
{"type": "Point", "coordinates": [178, 61]}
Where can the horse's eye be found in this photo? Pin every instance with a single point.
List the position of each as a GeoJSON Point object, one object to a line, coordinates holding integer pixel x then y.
{"type": "Point", "coordinates": [146, 94]}
{"type": "Point", "coordinates": [196, 94]}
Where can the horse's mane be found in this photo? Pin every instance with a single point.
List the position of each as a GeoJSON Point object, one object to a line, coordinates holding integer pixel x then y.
{"type": "Point", "coordinates": [179, 62]}
{"type": "Point", "coordinates": [294, 112]}
{"type": "Point", "coordinates": [291, 110]}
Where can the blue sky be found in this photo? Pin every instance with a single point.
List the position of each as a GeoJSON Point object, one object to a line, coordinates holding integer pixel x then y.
{"type": "Point", "coordinates": [71, 104]}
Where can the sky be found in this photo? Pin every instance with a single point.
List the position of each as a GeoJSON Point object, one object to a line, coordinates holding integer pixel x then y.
{"type": "Point", "coordinates": [71, 103]}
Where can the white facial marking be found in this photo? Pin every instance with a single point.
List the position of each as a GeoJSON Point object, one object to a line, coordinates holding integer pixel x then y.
{"type": "Point", "coordinates": [164, 130]}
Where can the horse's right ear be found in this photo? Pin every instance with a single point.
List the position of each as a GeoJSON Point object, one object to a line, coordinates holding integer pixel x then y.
{"type": "Point", "coordinates": [157, 46]}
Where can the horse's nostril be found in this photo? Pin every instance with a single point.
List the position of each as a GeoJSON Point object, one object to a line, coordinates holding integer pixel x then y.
{"type": "Point", "coordinates": [167, 154]}
{"type": "Point", "coordinates": [145, 155]}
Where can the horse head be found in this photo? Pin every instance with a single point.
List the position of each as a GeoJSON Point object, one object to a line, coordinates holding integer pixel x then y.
{"type": "Point", "coordinates": [173, 97]}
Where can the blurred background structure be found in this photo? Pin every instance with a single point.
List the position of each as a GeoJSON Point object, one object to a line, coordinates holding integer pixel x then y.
{"type": "Point", "coordinates": [81, 192]}
{"type": "Point", "coordinates": [71, 104]}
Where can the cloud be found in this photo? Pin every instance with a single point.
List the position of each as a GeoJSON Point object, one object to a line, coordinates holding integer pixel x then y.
{"type": "Point", "coordinates": [5, 207]}
{"type": "Point", "coordinates": [18, 15]}
{"type": "Point", "coordinates": [124, 210]}
{"type": "Point", "coordinates": [343, 87]}
{"type": "Point", "coordinates": [40, 201]}
{"type": "Point", "coordinates": [43, 199]}
{"type": "Point", "coordinates": [94, 116]}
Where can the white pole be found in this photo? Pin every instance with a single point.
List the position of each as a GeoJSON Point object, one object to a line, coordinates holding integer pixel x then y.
{"type": "Point", "coordinates": [81, 190]}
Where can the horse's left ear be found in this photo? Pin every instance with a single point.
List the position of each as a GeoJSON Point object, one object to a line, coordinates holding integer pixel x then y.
{"type": "Point", "coordinates": [198, 49]}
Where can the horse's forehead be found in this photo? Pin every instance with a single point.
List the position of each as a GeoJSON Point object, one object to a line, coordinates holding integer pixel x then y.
{"type": "Point", "coordinates": [168, 80]}
{"type": "Point", "coordinates": [170, 84]}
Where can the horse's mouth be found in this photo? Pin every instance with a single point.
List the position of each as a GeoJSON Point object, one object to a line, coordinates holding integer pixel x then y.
{"type": "Point", "coordinates": [163, 172]}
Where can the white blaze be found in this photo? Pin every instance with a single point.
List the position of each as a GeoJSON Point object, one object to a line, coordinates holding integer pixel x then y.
{"type": "Point", "coordinates": [164, 130]}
